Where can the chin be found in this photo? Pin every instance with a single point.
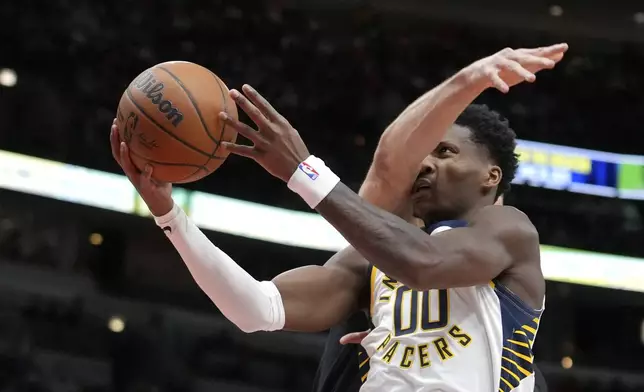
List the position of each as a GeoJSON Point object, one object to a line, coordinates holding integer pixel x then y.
{"type": "Point", "coordinates": [431, 212]}
{"type": "Point", "coordinates": [424, 209]}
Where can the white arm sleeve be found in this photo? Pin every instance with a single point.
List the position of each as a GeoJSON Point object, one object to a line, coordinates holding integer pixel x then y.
{"type": "Point", "coordinates": [251, 305]}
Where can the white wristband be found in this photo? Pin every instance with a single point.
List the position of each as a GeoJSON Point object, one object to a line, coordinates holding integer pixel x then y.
{"type": "Point", "coordinates": [313, 181]}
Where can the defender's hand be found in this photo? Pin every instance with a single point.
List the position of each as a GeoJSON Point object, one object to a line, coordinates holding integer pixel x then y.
{"type": "Point", "coordinates": [277, 146]}
{"type": "Point", "coordinates": [510, 67]}
{"type": "Point", "coordinates": [158, 196]}
{"type": "Point", "coordinates": [354, 337]}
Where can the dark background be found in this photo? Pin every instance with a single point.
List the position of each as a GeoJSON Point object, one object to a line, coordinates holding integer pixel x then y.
{"type": "Point", "coordinates": [340, 71]}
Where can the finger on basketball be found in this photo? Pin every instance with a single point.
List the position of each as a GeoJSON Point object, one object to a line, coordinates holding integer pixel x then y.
{"type": "Point", "coordinates": [126, 163]}
{"type": "Point", "coordinates": [115, 143]}
{"type": "Point", "coordinates": [240, 149]}
{"type": "Point", "coordinates": [261, 103]}
{"type": "Point", "coordinates": [247, 106]}
{"type": "Point", "coordinates": [146, 180]}
{"type": "Point", "coordinates": [241, 128]}
{"type": "Point", "coordinates": [147, 172]}
{"type": "Point", "coordinates": [516, 68]}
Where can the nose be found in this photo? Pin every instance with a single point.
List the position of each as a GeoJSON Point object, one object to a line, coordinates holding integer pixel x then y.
{"type": "Point", "coordinates": [428, 166]}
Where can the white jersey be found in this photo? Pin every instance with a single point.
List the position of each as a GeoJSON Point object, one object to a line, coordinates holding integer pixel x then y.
{"type": "Point", "coordinates": [455, 340]}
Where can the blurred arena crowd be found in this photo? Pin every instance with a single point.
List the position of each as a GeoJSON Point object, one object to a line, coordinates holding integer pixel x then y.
{"type": "Point", "coordinates": [340, 78]}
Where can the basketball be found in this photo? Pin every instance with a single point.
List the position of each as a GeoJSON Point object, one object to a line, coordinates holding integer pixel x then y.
{"type": "Point", "coordinates": [168, 117]}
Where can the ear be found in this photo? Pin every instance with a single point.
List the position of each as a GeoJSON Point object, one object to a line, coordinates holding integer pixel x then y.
{"type": "Point", "coordinates": [493, 177]}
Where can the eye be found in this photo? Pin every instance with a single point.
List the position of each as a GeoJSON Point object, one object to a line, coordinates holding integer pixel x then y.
{"type": "Point", "coordinates": [444, 150]}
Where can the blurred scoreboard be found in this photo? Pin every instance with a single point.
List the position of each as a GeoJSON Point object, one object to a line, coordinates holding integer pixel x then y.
{"type": "Point", "coordinates": [581, 171]}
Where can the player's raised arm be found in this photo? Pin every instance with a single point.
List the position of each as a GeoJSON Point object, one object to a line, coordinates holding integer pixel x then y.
{"type": "Point", "coordinates": [307, 299]}
{"type": "Point", "coordinates": [418, 129]}
{"type": "Point", "coordinates": [496, 238]}
{"type": "Point", "coordinates": [399, 249]}
{"type": "Point", "coordinates": [311, 298]}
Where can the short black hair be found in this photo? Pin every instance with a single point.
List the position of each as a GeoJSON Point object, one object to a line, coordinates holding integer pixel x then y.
{"type": "Point", "coordinates": [491, 130]}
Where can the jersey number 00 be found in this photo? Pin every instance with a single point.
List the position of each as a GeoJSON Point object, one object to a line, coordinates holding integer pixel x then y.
{"type": "Point", "coordinates": [407, 298]}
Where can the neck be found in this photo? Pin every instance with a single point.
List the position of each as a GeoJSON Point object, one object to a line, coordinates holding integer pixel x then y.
{"type": "Point", "coordinates": [466, 215]}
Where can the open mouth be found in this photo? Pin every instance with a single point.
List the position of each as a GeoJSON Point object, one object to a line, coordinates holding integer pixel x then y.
{"type": "Point", "coordinates": [422, 184]}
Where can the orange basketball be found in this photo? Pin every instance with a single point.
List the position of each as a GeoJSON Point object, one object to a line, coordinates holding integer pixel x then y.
{"type": "Point", "coordinates": [168, 116]}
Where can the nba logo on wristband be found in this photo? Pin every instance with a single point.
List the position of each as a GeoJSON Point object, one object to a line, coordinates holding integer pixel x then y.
{"type": "Point", "coordinates": [309, 170]}
{"type": "Point", "coordinates": [312, 184]}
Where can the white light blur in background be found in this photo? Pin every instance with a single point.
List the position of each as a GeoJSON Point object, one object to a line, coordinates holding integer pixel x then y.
{"type": "Point", "coordinates": [116, 324]}
{"type": "Point", "coordinates": [556, 10]}
{"type": "Point", "coordinates": [639, 17]}
{"type": "Point", "coordinates": [8, 77]}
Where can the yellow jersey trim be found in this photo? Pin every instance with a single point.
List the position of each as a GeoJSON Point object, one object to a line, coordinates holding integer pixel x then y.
{"type": "Point", "coordinates": [372, 287]}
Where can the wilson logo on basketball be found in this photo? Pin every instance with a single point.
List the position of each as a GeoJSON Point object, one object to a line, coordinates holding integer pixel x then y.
{"type": "Point", "coordinates": [153, 90]}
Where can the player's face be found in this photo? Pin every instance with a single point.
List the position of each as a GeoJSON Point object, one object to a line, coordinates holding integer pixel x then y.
{"type": "Point", "coordinates": [454, 179]}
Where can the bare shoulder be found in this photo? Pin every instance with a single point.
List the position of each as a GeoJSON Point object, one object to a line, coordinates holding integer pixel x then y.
{"type": "Point", "coordinates": [520, 238]}
{"type": "Point", "coordinates": [508, 225]}
{"type": "Point", "coordinates": [503, 216]}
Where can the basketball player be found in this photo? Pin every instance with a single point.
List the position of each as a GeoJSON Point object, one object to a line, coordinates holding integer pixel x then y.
{"type": "Point", "coordinates": [471, 322]}
{"type": "Point", "coordinates": [341, 368]}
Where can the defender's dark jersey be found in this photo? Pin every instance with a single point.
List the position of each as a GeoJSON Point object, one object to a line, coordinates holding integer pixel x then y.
{"type": "Point", "coordinates": [339, 369]}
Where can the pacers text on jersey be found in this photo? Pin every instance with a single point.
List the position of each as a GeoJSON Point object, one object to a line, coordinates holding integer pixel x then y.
{"type": "Point", "coordinates": [408, 320]}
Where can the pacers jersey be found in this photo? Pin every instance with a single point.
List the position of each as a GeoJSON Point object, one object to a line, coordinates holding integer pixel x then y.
{"type": "Point", "coordinates": [470, 339]}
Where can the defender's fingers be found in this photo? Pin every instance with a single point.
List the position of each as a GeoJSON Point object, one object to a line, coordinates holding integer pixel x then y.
{"type": "Point", "coordinates": [497, 82]}
{"type": "Point", "coordinates": [354, 337]}
{"type": "Point", "coordinates": [516, 68]}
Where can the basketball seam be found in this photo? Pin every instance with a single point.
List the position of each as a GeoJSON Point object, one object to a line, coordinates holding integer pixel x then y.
{"type": "Point", "coordinates": [199, 167]}
{"type": "Point", "coordinates": [223, 127]}
{"type": "Point", "coordinates": [181, 180]}
{"type": "Point", "coordinates": [225, 98]}
{"type": "Point", "coordinates": [175, 137]}
{"type": "Point", "coordinates": [192, 101]}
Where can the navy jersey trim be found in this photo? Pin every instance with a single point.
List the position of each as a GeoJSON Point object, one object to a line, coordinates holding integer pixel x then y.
{"type": "Point", "coordinates": [520, 324]}
{"type": "Point", "coordinates": [449, 223]}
